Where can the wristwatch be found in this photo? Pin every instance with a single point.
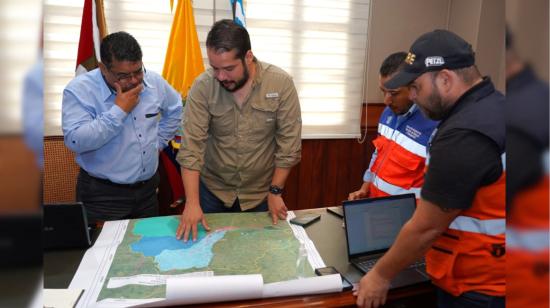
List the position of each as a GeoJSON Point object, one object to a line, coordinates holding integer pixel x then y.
{"type": "Point", "coordinates": [276, 190]}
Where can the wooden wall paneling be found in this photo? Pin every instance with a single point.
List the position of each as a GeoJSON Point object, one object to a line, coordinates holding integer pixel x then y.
{"type": "Point", "coordinates": [334, 158]}
{"type": "Point", "coordinates": [290, 195]}
{"type": "Point", "coordinates": [310, 172]}
{"type": "Point", "coordinates": [351, 172]}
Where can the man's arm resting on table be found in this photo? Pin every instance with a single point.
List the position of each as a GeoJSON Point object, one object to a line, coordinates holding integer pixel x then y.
{"type": "Point", "coordinates": [191, 158]}
{"type": "Point", "coordinates": [275, 203]}
{"type": "Point", "coordinates": [192, 213]}
{"type": "Point", "coordinates": [416, 237]}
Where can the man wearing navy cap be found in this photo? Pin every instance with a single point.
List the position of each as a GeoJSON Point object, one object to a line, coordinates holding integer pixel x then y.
{"type": "Point", "coordinates": [459, 223]}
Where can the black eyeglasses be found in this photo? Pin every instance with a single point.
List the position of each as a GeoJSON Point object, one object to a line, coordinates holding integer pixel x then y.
{"type": "Point", "coordinates": [123, 77]}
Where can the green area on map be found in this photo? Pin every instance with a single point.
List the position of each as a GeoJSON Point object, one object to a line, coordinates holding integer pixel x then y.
{"type": "Point", "coordinates": [237, 244]}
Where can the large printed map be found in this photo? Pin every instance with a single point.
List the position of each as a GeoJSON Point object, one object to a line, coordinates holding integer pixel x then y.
{"type": "Point", "coordinates": [244, 243]}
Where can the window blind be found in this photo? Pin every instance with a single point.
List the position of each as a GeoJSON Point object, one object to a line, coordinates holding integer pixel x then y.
{"type": "Point", "coordinates": [320, 43]}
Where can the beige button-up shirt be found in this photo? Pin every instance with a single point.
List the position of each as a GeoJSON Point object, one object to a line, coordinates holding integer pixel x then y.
{"type": "Point", "coordinates": [236, 149]}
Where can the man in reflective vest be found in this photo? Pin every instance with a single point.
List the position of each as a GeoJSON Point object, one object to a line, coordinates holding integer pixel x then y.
{"type": "Point", "coordinates": [459, 223]}
{"type": "Point", "coordinates": [398, 162]}
{"type": "Point", "coordinates": [527, 187]}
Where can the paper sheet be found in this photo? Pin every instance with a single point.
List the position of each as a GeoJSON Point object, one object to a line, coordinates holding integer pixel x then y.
{"type": "Point", "coordinates": [61, 298]}
{"type": "Point", "coordinates": [186, 290]}
{"type": "Point", "coordinates": [313, 255]}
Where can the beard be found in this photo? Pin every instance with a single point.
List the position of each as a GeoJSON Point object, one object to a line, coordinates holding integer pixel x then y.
{"type": "Point", "coordinates": [233, 86]}
{"type": "Point", "coordinates": [434, 107]}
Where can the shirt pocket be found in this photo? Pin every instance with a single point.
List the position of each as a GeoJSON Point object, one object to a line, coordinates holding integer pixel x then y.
{"type": "Point", "coordinates": [406, 167]}
{"type": "Point", "coordinates": [222, 122]}
{"type": "Point", "coordinates": [379, 143]}
{"type": "Point", "coordinates": [149, 106]}
{"type": "Point", "coordinates": [264, 118]}
{"type": "Point", "coordinates": [441, 257]}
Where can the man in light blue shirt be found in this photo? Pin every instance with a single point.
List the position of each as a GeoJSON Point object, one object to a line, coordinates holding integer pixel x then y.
{"type": "Point", "coordinates": [117, 118]}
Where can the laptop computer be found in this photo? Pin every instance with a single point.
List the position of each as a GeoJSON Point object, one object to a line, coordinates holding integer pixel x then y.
{"type": "Point", "coordinates": [65, 226]}
{"type": "Point", "coordinates": [371, 228]}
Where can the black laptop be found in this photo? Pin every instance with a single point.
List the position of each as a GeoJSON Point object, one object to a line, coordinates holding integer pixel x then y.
{"type": "Point", "coordinates": [65, 226]}
{"type": "Point", "coordinates": [371, 228]}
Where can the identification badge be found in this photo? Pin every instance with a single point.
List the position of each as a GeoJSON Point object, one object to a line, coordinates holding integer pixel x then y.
{"type": "Point", "coordinates": [272, 95]}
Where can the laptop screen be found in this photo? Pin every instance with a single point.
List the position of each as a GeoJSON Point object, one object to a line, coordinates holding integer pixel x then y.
{"type": "Point", "coordinates": [373, 224]}
{"type": "Point", "coordinates": [65, 226]}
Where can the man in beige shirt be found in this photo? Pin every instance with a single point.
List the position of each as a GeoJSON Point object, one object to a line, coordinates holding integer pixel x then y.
{"type": "Point", "coordinates": [242, 133]}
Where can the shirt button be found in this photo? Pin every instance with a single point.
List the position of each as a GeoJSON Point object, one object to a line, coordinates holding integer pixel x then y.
{"type": "Point", "coordinates": [135, 118]}
{"type": "Point", "coordinates": [143, 152]}
{"type": "Point", "coordinates": [143, 169]}
{"type": "Point", "coordinates": [139, 135]}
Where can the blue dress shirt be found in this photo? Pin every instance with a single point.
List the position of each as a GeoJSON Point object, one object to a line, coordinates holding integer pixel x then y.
{"type": "Point", "coordinates": [110, 143]}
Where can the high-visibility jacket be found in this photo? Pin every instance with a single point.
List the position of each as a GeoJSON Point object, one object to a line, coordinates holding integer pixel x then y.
{"type": "Point", "coordinates": [527, 225]}
{"type": "Point", "coordinates": [527, 242]}
{"type": "Point", "coordinates": [397, 167]}
{"type": "Point", "coordinates": [469, 255]}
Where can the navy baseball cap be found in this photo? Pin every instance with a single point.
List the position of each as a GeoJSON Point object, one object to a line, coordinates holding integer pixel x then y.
{"type": "Point", "coordinates": [433, 51]}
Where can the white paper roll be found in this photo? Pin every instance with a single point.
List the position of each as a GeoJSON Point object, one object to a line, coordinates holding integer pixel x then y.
{"type": "Point", "coordinates": [194, 290]}
{"type": "Point", "coordinates": [304, 286]}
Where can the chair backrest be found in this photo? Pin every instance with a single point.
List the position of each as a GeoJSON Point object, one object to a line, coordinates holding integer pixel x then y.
{"type": "Point", "coordinates": [60, 171]}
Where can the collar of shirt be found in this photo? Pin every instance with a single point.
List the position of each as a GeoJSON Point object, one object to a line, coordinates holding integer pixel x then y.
{"type": "Point", "coordinates": [259, 71]}
{"type": "Point", "coordinates": [406, 115]}
{"type": "Point", "coordinates": [475, 93]}
{"type": "Point", "coordinates": [107, 90]}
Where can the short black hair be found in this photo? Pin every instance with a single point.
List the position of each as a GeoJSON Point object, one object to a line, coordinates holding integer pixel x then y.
{"type": "Point", "coordinates": [393, 63]}
{"type": "Point", "coordinates": [226, 35]}
{"type": "Point", "coordinates": [119, 46]}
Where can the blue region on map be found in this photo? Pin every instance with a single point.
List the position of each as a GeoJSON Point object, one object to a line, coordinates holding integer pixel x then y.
{"type": "Point", "coordinates": [198, 255]}
{"type": "Point", "coordinates": [158, 240]}
{"type": "Point", "coordinates": [152, 246]}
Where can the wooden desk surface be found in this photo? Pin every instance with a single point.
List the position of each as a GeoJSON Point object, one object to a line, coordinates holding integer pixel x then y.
{"type": "Point", "coordinates": [329, 238]}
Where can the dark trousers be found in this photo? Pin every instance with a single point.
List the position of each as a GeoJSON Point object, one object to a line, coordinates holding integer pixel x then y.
{"type": "Point", "coordinates": [105, 200]}
{"type": "Point", "coordinates": [468, 300]}
{"type": "Point", "coordinates": [211, 204]}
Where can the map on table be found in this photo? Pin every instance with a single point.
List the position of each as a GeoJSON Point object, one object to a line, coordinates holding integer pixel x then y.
{"type": "Point", "coordinates": [237, 244]}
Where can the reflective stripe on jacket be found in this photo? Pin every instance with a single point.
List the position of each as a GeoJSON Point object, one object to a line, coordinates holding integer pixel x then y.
{"type": "Point", "coordinates": [469, 256]}
{"type": "Point", "coordinates": [401, 153]}
{"type": "Point", "coordinates": [527, 243]}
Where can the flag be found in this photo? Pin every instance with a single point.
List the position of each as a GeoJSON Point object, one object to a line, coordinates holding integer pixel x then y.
{"type": "Point", "coordinates": [92, 31]}
{"type": "Point", "coordinates": [238, 12]}
{"type": "Point", "coordinates": [183, 63]}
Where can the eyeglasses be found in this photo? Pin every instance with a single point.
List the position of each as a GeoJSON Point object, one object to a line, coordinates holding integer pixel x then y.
{"type": "Point", "coordinates": [124, 77]}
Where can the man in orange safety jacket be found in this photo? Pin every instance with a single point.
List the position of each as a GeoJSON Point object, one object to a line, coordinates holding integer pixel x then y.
{"type": "Point", "coordinates": [398, 162]}
{"type": "Point", "coordinates": [459, 223]}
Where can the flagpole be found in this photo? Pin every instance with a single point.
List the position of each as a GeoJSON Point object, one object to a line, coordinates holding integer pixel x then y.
{"type": "Point", "coordinates": [214, 13]}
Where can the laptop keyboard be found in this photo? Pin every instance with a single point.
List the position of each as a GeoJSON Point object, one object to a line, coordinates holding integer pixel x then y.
{"type": "Point", "coordinates": [367, 265]}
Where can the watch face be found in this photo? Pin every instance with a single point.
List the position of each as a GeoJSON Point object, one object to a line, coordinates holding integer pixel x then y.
{"type": "Point", "coordinates": [275, 190]}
